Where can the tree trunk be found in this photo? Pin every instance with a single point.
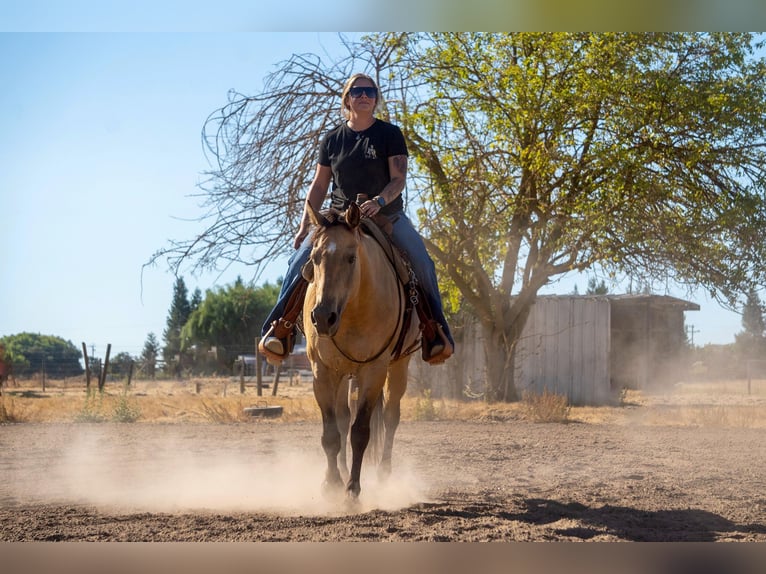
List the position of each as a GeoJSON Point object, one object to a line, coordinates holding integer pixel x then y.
{"type": "Point", "coordinates": [500, 383]}
{"type": "Point", "coordinates": [500, 342]}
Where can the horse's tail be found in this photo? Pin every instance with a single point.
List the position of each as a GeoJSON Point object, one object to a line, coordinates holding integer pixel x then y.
{"type": "Point", "coordinates": [377, 433]}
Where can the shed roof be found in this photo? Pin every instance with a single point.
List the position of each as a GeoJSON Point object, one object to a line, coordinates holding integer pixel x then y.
{"type": "Point", "coordinates": [632, 299]}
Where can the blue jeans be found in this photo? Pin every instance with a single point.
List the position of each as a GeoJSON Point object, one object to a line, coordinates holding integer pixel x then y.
{"type": "Point", "coordinates": [407, 239]}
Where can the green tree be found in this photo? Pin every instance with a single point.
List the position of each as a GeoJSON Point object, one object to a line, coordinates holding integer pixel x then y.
{"type": "Point", "coordinates": [32, 353]}
{"type": "Point", "coordinates": [532, 155]}
{"type": "Point", "coordinates": [119, 365]}
{"type": "Point", "coordinates": [595, 288]}
{"type": "Point", "coordinates": [195, 301]}
{"type": "Point", "coordinates": [634, 152]}
{"type": "Point", "coordinates": [149, 355]}
{"type": "Point", "coordinates": [179, 312]}
{"type": "Point", "coordinates": [750, 343]}
{"type": "Point", "coordinates": [229, 319]}
{"type": "Point", "coordinates": [752, 315]}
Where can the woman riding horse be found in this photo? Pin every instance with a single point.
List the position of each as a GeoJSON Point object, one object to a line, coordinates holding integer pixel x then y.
{"type": "Point", "coordinates": [362, 155]}
{"type": "Point", "coordinates": [354, 316]}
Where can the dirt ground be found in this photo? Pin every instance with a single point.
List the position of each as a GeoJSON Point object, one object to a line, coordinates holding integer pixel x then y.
{"type": "Point", "coordinates": [501, 480]}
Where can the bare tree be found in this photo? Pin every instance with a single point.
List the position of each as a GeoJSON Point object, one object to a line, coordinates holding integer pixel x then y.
{"type": "Point", "coordinates": [263, 152]}
{"type": "Point", "coordinates": [533, 155]}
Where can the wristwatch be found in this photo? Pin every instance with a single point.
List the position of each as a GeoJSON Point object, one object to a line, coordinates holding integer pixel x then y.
{"type": "Point", "coordinates": [380, 201]}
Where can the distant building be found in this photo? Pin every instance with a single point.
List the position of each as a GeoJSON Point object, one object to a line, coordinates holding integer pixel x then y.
{"type": "Point", "coordinates": [296, 361]}
{"type": "Point", "coordinates": [591, 347]}
{"type": "Point", "coordinates": [588, 347]}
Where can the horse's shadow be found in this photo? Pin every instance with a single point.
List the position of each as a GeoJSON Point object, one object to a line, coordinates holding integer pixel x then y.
{"type": "Point", "coordinates": [633, 524]}
{"type": "Point", "coordinates": [625, 523]}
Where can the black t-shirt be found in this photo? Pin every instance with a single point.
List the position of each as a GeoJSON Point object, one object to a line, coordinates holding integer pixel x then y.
{"type": "Point", "coordinates": [359, 161]}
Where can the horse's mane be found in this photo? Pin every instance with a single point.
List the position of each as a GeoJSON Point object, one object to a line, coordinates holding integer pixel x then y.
{"type": "Point", "coordinates": [332, 218]}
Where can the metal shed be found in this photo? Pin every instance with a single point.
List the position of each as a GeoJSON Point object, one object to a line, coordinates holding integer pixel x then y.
{"type": "Point", "coordinates": [590, 347]}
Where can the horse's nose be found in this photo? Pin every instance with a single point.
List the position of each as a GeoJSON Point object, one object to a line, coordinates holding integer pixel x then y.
{"type": "Point", "coordinates": [325, 320]}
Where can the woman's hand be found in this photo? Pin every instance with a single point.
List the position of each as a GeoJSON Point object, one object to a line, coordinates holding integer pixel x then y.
{"type": "Point", "coordinates": [303, 231]}
{"type": "Point", "coordinates": [370, 208]}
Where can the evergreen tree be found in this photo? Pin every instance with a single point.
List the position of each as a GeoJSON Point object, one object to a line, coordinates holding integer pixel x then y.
{"type": "Point", "coordinates": [596, 288]}
{"type": "Point", "coordinates": [149, 355]}
{"type": "Point", "coordinates": [196, 300]}
{"type": "Point", "coordinates": [752, 315]}
{"type": "Point", "coordinates": [180, 309]}
{"type": "Point", "coordinates": [751, 343]}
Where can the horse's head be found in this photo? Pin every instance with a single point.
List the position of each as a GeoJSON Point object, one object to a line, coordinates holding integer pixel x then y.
{"type": "Point", "coordinates": [333, 266]}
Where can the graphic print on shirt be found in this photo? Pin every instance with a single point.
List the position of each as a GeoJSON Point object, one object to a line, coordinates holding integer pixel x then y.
{"type": "Point", "coordinates": [369, 150]}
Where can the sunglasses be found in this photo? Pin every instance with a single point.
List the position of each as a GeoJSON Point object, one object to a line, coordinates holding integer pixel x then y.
{"type": "Point", "coordinates": [357, 91]}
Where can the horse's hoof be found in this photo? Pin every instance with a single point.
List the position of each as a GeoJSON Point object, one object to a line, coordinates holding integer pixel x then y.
{"type": "Point", "coordinates": [351, 504]}
{"type": "Point", "coordinates": [384, 472]}
{"type": "Point", "coordinates": [332, 490]}
{"type": "Point", "coordinates": [352, 490]}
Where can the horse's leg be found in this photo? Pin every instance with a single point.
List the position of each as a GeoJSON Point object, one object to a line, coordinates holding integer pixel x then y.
{"type": "Point", "coordinates": [369, 393]}
{"type": "Point", "coordinates": [343, 418]}
{"type": "Point", "coordinates": [395, 388]}
{"type": "Point", "coordinates": [324, 392]}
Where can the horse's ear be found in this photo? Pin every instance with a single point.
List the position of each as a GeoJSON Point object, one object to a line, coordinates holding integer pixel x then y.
{"type": "Point", "coordinates": [353, 215]}
{"type": "Point", "coordinates": [316, 218]}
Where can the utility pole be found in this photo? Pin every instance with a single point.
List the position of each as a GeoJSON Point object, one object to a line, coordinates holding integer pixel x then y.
{"type": "Point", "coordinates": [690, 330]}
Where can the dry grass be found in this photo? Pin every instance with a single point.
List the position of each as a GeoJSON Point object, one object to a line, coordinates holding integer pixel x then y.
{"type": "Point", "coordinates": [10, 410]}
{"type": "Point", "coordinates": [545, 407]}
{"type": "Point", "coordinates": [219, 401]}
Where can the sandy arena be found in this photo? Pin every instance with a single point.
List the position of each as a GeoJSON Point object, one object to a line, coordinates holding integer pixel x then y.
{"type": "Point", "coordinates": [501, 480]}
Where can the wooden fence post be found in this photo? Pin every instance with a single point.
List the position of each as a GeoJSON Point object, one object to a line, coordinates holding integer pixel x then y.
{"type": "Point", "coordinates": [87, 367]}
{"type": "Point", "coordinates": [242, 377]}
{"type": "Point", "coordinates": [258, 373]}
{"type": "Point", "coordinates": [130, 372]}
{"type": "Point", "coordinates": [276, 380]}
{"type": "Point", "coordinates": [102, 379]}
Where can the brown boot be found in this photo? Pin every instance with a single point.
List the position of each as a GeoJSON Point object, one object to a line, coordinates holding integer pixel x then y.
{"type": "Point", "coordinates": [273, 349]}
{"type": "Point", "coordinates": [278, 341]}
{"type": "Point", "coordinates": [438, 350]}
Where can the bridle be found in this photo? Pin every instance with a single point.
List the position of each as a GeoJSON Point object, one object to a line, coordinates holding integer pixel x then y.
{"type": "Point", "coordinates": [399, 296]}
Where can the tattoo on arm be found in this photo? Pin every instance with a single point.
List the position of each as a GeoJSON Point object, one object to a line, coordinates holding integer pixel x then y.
{"type": "Point", "coordinates": [400, 163]}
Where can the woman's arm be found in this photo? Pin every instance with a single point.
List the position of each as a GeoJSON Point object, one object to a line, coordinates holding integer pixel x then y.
{"type": "Point", "coordinates": [397, 167]}
{"type": "Point", "coordinates": [315, 198]}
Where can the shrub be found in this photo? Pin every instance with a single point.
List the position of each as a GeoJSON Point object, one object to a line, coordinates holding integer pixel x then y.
{"type": "Point", "coordinates": [546, 407]}
{"type": "Point", "coordinates": [125, 412]}
{"type": "Point", "coordinates": [91, 409]}
{"type": "Point", "coordinates": [424, 407]}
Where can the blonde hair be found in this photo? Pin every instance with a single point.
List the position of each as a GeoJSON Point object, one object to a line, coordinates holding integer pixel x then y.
{"type": "Point", "coordinates": [344, 111]}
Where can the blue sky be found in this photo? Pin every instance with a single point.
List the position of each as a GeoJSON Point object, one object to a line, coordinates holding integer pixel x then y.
{"type": "Point", "coordinates": [101, 148]}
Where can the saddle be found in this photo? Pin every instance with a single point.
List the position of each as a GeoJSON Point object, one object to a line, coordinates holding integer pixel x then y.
{"type": "Point", "coordinates": [380, 229]}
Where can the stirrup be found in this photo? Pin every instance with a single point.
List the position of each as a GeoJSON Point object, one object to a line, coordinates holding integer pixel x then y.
{"type": "Point", "coordinates": [274, 345]}
{"type": "Point", "coordinates": [440, 350]}
{"type": "Point", "coordinates": [272, 358]}
{"type": "Point", "coordinates": [274, 348]}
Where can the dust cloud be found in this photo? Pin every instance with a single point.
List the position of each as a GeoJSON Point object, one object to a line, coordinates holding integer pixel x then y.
{"type": "Point", "coordinates": [169, 475]}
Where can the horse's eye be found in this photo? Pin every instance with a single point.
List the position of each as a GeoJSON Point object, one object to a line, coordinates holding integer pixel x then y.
{"type": "Point", "coordinates": [352, 259]}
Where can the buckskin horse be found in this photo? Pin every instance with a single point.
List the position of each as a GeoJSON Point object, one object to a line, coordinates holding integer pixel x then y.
{"type": "Point", "coordinates": [353, 316]}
